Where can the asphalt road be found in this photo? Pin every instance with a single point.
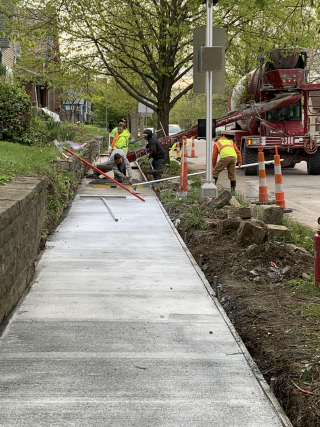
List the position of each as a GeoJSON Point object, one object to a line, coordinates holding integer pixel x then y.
{"type": "Point", "coordinates": [301, 190]}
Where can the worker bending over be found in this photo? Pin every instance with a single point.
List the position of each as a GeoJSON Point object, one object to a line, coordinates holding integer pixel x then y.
{"type": "Point", "coordinates": [229, 155]}
{"type": "Point", "coordinates": [118, 160]}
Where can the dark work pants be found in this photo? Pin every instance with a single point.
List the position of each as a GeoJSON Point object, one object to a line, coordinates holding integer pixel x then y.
{"type": "Point", "coordinates": [120, 169]}
{"type": "Point", "coordinates": [158, 165]}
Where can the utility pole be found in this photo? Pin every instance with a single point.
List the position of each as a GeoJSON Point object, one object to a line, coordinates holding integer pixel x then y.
{"type": "Point", "coordinates": [209, 189]}
{"type": "Point", "coordinates": [106, 108]}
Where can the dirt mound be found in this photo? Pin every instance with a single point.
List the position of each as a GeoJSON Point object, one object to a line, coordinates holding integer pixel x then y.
{"type": "Point", "coordinates": [270, 313]}
{"type": "Point", "coordinates": [224, 256]}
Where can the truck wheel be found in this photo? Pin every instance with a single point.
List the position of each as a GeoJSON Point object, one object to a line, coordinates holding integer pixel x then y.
{"type": "Point", "coordinates": [250, 155]}
{"type": "Point", "coordinates": [314, 163]}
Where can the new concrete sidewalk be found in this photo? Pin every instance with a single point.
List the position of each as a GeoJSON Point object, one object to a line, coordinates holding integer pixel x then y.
{"type": "Point", "coordinates": [119, 330]}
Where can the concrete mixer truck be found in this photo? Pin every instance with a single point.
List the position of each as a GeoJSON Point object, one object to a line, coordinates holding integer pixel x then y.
{"type": "Point", "coordinates": [278, 104]}
{"type": "Point", "coordinates": [283, 79]}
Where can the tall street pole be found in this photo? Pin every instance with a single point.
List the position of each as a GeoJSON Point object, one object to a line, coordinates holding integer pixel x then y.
{"type": "Point", "coordinates": [107, 129]}
{"type": "Point", "coordinates": [209, 189]}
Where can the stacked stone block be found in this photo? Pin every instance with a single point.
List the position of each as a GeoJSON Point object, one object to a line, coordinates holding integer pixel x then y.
{"type": "Point", "coordinates": [22, 210]}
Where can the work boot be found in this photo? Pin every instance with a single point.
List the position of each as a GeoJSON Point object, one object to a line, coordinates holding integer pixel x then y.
{"type": "Point", "coordinates": [233, 187]}
{"type": "Point", "coordinates": [215, 180]}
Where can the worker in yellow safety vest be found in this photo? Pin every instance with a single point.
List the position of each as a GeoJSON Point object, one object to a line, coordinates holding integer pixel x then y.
{"type": "Point", "coordinates": [122, 140]}
{"type": "Point", "coordinates": [229, 156]}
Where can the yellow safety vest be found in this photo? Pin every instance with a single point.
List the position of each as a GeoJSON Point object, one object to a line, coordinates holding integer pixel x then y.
{"type": "Point", "coordinates": [226, 148]}
{"type": "Point", "coordinates": [122, 142]}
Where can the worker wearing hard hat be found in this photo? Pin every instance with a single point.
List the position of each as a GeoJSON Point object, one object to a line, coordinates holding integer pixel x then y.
{"type": "Point", "coordinates": [229, 155]}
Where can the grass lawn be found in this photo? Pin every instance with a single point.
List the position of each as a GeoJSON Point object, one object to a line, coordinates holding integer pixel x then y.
{"type": "Point", "coordinates": [17, 159]}
{"type": "Point", "coordinates": [32, 160]}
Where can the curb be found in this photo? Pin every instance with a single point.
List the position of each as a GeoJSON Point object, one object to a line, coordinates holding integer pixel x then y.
{"type": "Point", "coordinates": [259, 377]}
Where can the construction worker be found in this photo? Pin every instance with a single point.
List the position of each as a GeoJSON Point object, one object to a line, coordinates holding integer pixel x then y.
{"type": "Point", "coordinates": [114, 132]}
{"type": "Point", "coordinates": [229, 155]}
{"type": "Point", "coordinates": [122, 140]}
{"type": "Point", "coordinates": [156, 153]}
{"type": "Point", "coordinates": [126, 130]}
{"type": "Point", "coordinates": [118, 161]}
{"type": "Point", "coordinates": [126, 133]}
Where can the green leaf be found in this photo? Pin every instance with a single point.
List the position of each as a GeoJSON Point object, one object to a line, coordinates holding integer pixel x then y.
{"type": "Point", "coordinates": [260, 4]}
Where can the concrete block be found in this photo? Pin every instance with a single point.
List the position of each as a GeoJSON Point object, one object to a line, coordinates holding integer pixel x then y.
{"type": "Point", "coordinates": [276, 231]}
{"type": "Point", "coordinates": [234, 202]}
{"type": "Point", "coordinates": [271, 214]}
{"type": "Point", "coordinates": [251, 232]}
{"type": "Point", "coordinates": [211, 224]}
{"type": "Point", "coordinates": [259, 223]}
{"type": "Point", "coordinates": [228, 224]}
{"type": "Point", "coordinates": [247, 212]}
{"type": "Point", "coordinates": [205, 200]}
{"type": "Point", "coordinates": [220, 201]}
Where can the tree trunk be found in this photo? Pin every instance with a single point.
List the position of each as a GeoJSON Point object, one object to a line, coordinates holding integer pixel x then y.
{"type": "Point", "coordinates": [163, 123]}
{"type": "Point", "coordinates": [163, 120]}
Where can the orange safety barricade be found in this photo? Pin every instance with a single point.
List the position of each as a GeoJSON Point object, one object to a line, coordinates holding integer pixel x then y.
{"type": "Point", "coordinates": [263, 190]}
{"type": "Point", "coordinates": [183, 186]}
{"type": "Point", "coordinates": [279, 194]}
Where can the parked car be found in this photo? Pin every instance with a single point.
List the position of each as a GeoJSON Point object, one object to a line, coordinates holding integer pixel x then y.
{"type": "Point", "coordinates": [173, 129]}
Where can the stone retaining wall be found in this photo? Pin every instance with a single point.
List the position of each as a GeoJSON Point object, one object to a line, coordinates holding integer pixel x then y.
{"type": "Point", "coordinates": [22, 209]}
{"type": "Point", "coordinates": [23, 206]}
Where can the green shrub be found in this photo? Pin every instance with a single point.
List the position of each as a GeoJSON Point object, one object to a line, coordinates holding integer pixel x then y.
{"type": "Point", "coordinates": [15, 113]}
{"type": "Point", "coordinates": [300, 235]}
{"type": "Point", "coordinates": [193, 219]}
{"type": "Point", "coordinates": [3, 70]}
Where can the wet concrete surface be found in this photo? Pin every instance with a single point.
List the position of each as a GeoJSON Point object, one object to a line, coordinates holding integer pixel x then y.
{"type": "Point", "coordinates": [120, 329]}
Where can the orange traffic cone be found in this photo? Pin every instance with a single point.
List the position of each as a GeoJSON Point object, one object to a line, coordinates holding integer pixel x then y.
{"type": "Point", "coordinates": [183, 187]}
{"type": "Point", "coordinates": [263, 190]}
{"type": "Point", "coordinates": [178, 149]}
{"type": "Point", "coordinates": [279, 194]}
{"type": "Point", "coordinates": [193, 151]}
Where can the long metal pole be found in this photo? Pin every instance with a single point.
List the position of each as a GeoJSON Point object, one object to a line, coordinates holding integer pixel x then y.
{"type": "Point", "coordinates": [104, 174]}
{"type": "Point", "coordinates": [106, 108]}
{"type": "Point", "coordinates": [209, 98]}
{"type": "Point", "coordinates": [199, 173]}
{"type": "Point", "coordinates": [109, 209]}
{"type": "Point", "coordinates": [165, 179]}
